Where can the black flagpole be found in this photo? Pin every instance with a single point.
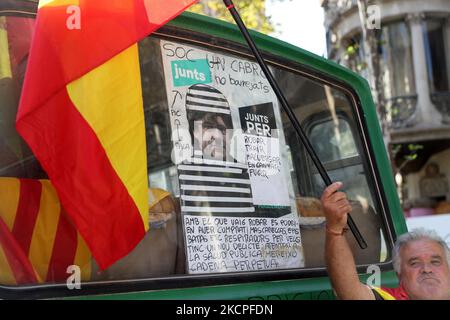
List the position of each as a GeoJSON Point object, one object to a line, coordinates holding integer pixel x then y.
{"type": "Point", "coordinates": [323, 173]}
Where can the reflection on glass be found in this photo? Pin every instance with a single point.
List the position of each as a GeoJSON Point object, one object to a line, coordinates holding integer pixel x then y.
{"type": "Point", "coordinates": [333, 141]}
{"type": "Point", "coordinates": [16, 159]}
{"type": "Point", "coordinates": [329, 121]}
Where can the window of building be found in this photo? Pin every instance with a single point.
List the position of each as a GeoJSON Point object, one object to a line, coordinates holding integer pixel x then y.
{"type": "Point", "coordinates": [396, 60]}
{"type": "Point", "coordinates": [436, 39]}
{"type": "Point", "coordinates": [394, 54]}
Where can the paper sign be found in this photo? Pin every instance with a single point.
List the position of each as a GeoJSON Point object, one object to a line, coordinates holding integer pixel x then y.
{"type": "Point", "coordinates": [229, 148]}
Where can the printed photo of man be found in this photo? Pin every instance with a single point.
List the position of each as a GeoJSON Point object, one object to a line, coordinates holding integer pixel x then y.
{"type": "Point", "coordinates": [212, 182]}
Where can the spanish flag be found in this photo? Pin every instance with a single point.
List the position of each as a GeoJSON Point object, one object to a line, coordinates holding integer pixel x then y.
{"type": "Point", "coordinates": [37, 240]}
{"type": "Point", "coordinates": [81, 112]}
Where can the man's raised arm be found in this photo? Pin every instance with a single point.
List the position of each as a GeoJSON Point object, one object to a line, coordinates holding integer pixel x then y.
{"type": "Point", "coordinates": [338, 256]}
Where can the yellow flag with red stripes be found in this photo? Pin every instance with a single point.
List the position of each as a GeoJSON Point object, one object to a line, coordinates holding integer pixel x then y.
{"type": "Point", "coordinates": [38, 241]}
{"type": "Point", "coordinates": [81, 112]}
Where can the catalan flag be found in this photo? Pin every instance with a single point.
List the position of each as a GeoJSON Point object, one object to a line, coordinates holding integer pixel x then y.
{"type": "Point", "coordinates": [37, 241]}
{"type": "Point", "coordinates": [81, 112]}
{"type": "Point", "coordinates": [15, 268]}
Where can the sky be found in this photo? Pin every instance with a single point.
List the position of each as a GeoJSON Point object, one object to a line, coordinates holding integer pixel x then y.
{"type": "Point", "coordinates": [300, 22]}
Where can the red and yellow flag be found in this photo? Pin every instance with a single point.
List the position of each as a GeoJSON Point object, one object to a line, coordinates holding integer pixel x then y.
{"type": "Point", "coordinates": [15, 268]}
{"type": "Point", "coordinates": [37, 241]}
{"type": "Point", "coordinates": [81, 112]}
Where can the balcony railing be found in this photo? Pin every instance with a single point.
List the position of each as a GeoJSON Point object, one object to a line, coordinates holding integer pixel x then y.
{"type": "Point", "coordinates": [400, 111]}
{"type": "Point", "coordinates": [441, 100]}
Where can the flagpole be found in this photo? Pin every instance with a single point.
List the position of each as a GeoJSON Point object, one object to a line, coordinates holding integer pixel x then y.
{"type": "Point", "coordinates": [323, 173]}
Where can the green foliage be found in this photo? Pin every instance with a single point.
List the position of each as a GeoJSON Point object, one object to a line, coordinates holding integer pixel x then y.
{"type": "Point", "coordinates": [413, 154]}
{"type": "Point", "coordinates": [414, 147]}
{"type": "Point", "coordinates": [253, 13]}
{"type": "Point", "coordinates": [395, 149]}
{"type": "Point", "coordinates": [352, 49]}
{"type": "Point", "coordinates": [411, 157]}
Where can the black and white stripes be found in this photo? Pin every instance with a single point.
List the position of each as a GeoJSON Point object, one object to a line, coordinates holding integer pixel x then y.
{"type": "Point", "coordinates": [205, 98]}
{"type": "Point", "coordinates": [215, 188]}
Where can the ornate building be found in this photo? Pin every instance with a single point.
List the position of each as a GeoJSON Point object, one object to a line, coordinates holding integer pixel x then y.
{"type": "Point", "coordinates": [412, 45]}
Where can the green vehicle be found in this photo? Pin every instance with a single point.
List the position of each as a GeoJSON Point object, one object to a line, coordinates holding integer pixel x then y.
{"type": "Point", "coordinates": [240, 219]}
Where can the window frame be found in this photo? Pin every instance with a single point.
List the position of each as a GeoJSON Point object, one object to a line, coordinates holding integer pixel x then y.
{"type": "Point", "coordinates": [189, 28]}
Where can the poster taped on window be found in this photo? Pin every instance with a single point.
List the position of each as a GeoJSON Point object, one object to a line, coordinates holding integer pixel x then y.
{"type": "Point", "coordinates": [237, 199]}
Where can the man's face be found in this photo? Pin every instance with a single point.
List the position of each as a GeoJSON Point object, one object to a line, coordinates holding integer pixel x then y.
{"type": "Point", "coordinates": [213, 138]}
{"type": "Point", "coordinates": [424, 270]}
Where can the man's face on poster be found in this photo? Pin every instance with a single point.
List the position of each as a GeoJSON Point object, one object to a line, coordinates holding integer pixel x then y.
{"type": "Point", "coordinates": [210, 132]}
